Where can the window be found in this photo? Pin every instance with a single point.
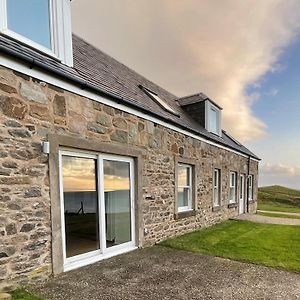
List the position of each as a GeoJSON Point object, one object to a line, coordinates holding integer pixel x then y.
{"type": "Point", "coordinates": [159, 101]}
{"type": "Point", "coordinates": [36, 25]}
{"type": "Point", "coordinates": [216, 188]}
{"type": "Point", "coordinates": [44, 25]}
{"type": "Point", "coordinates": [250, 187]}
{"type": "Point", "coordinates": [232, 187]}
{"type": "Point", "coordinates": [97, 206]}
{"type": "Point", "coordinates": [184, 187]}
{"type": "Point", "coordinates": [213, 118]}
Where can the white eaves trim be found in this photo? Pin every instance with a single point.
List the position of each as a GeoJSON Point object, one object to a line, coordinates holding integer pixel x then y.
{"type": "Point", "coordinates": [54, 80]}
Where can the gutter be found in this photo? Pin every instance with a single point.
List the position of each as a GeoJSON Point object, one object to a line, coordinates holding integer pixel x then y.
{"type": "Point", "coordinates": [85, 85]}
{"type": "Point", "coordinates": [247, 181]}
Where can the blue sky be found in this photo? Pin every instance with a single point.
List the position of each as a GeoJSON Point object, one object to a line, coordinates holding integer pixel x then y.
{"type": "Point", "coordinates": [279, 107]}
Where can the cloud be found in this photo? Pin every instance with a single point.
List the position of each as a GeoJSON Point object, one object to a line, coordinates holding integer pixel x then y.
{"type": "Point", "coordinates": [273, 92]}
{"type": "Point", "coordinates": [217, 47]}
{"type": "Point", "coordinates": [280, 169]}
{"type": "Point", "coordinates": [281, 174]}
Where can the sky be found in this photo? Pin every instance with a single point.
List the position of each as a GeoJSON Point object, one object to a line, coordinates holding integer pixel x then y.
{"type": "Point", "coordinates": [243, 54]}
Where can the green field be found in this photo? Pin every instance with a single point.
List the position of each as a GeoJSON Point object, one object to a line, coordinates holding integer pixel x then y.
{"type": "Point", "coordinates": [278, 215]}
{"type": "Point", "coordinates": [267, 244]}
{"type": "Point", "coordinates": [278, 198]}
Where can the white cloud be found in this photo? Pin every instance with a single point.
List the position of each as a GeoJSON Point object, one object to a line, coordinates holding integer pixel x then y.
{"type": "Point", "coordinates": [281, 174]}
{"type": "Point", "coordinates": [280, 169]}
{"type": "Point", "coordinates": [217, 47]}
{"type": "Point", "coordinates": [273, 92]}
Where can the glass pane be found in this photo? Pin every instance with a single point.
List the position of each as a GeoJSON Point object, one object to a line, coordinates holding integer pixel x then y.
{"type": "Point", "coordinates": [183, 175]}
{"type": "Point", "coordinates": [30, 19]}
{"type": "Point", "coordinates": [232, 182]}
{"type": "Point", "coordinates": [117, 202]}
{"type": "Point", "coordinates": [183, 197]}
{"type": "Point", "coordinates": [232, 194]}
{"type": "Point", "coordinates": [213, 121]}
{"type": "Point", "coordinates": [216, 178]}
{"type": "Point", "coordinates": [241, 187]}
{"type": "Point", "coordinates": [80, 204]}
{"type": "Point", "coordinates": [216, 197]}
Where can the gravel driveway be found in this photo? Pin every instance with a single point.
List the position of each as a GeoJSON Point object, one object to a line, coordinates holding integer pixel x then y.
{"type": "Point", "coordinates": [268, 220]}
{"type": "Point", "coordinates": [162, 273]}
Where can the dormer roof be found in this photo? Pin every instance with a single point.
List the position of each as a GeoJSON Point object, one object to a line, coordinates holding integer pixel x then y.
{"type": "Point", "coordinates": [196, 98]}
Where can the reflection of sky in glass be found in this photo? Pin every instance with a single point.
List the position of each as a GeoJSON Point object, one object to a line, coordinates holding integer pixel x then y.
{"type": "Point", "coordinates": [213, 120]}
{"type": "Point", "coordinates": [78, 174]}
{"type": "Point", "coordinates": [30, 18]}
{"type": "Point", "coordinates": [183, 176]}
{"type": "Point", "coordinates": [116, 175]}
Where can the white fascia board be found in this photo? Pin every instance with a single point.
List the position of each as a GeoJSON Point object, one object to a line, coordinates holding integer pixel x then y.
{"type": "Point", "coordinates": [56, 81]}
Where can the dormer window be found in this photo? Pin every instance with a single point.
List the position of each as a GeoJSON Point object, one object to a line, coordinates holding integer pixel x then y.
{"type": "Point", "coordinates": [213, 118]}
{"type": "Point", "coordinates": [44, 25]}
{"type": "Point", "coordinates": [204, 111]}
{"type": "Point", "coordinates": [159, 101]}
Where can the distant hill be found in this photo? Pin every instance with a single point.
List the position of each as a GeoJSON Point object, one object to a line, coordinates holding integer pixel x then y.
{"type": "Point", "coordinates": [278, 198]}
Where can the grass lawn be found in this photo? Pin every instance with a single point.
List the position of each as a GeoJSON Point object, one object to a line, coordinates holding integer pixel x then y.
{"type": "Point", "coordinates": [278, 198]}
{"type": "Point", "coordinates": [277, 215]}
{"type": "Point", "coordinates": [21, 294]}
{"type": "Point", "coordinates": [270, 245]}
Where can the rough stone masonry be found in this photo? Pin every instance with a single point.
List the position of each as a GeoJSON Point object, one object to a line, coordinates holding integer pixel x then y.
{"type": "Point", "coordinates": [30, 110]}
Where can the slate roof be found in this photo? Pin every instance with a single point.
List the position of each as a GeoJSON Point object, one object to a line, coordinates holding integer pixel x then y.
{"type": "Point", "coordinates": [102, 72]}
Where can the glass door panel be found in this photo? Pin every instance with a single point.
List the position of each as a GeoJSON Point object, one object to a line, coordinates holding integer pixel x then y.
{"type": "Point", "coordinates": [80, 199]}
{"type": "Point", "coordinates": [117, 198]}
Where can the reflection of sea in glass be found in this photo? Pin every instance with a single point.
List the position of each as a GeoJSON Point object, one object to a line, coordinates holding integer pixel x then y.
{"type": "Point", "coordinates": [117, 202]}
{"type": "Point", "coordinates": [30, 19]}
{"type": "Point", "coordinates": [183, 197]}
{"type": "Point", "coordinates": [80, 205]}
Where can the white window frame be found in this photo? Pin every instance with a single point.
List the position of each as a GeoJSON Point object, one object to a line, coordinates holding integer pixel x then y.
{"type": "Point", "coordinates": [217, 187]}
{"type": "Point", "coordinates": [208, 107]}
{"type": "Point", "coordinates": [74, 262]}
{"type": "Point", "coordinates": [60, 31]}
{"type": "Point", "coordinates": [233, 185]}
{"type": "Point", "coordinates": [250, 187]}
{"type": "Point", "coordinates": [190, 187]}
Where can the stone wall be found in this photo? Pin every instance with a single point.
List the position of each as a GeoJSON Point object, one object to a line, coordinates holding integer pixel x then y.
{"type": "Point", "coordinates": [30, 110]}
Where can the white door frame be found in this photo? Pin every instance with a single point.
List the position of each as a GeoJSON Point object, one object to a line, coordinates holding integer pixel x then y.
{"type": "Point", "coordinates": [242, 194]}
{"type": "Point", "coordinates": [80, 260]}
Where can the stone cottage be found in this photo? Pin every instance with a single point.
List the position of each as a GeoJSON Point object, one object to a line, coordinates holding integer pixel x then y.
{"type": "Point", "coordinates": [96, 160]}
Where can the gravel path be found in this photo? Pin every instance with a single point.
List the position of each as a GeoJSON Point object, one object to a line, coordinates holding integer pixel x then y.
{"type": "Point", "coordinates": [268, 220]}
{"type": "Point", "coordinates": [162, 273]}
{"type": "Point", "coordinates": [279, 212]}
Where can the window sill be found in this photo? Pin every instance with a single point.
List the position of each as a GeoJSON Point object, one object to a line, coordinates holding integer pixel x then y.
{"type": "Point", "coordinates": [216, 208]}
{"type": "Point", "coordinates": [232, 205]}
{"type": "Point", "coordinates": [184, 214]}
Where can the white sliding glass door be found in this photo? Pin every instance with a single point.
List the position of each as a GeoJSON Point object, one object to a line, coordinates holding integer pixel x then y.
{"type": "Point", "coordinates": [97, 207]}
